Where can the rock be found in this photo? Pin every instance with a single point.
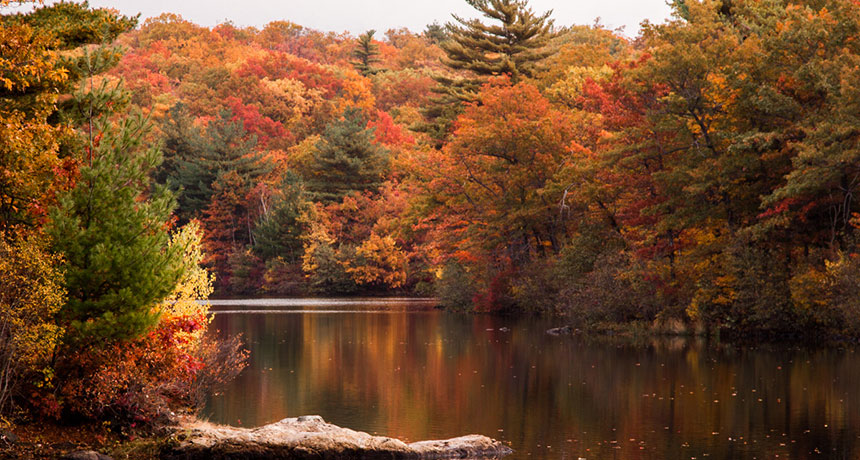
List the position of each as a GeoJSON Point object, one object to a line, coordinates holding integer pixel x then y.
{"type": "Point", "coordinates": [85, 455]}
{"type": "Point", "coordinates": [8, 437]}
{"type": "Point", "coordinates": [564, 330]}
{"type": "Point", "coordinates": [311, 437]}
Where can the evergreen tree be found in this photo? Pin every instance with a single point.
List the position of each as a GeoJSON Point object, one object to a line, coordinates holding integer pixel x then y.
{"type": "Point", "coordinates": [179, 136]}
{"type": "Point", "coordinates": [346, 159]}
{"type": "Point", "coordinates": [279, 230]}
{"type": "Point", "coordinates": [228, 147]}
{"type": "Point", "coordinates": [182, 170]}
{"type": "Point", "coordinates": [514, 46]}
{"type": "Point", "coordinates": [435, 33]}
{"type": "Point", "coordinates": [366, 54]}
{"type": "Point", "coordinates": [197, 159]}
{"type": "Point", "coordinates": [110, 229]}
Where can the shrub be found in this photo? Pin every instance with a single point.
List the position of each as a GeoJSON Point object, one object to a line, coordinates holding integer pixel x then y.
{"type": "Point", "coordinates": [31, 293]}
{"type": "Point", "coordinates": [615, 290]}
{"type": "Point", "coordinates": [141, 380]}
{"type": "Point", "coordinates": [455, 287]}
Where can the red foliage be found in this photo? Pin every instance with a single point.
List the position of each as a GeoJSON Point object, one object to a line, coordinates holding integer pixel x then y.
{"type": "Point", "coordinates": [282, 65]}
{"type": "Point", "coordinates": [256, 123]}
{"type": "Point", "coordinates": [137, 381]}
{"type": "Point", "coordinates": [387, 132]}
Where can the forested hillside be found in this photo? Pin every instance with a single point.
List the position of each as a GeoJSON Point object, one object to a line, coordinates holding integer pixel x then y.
{"type": "Point", "coordinates": [704, 170]}
{"type": "Point", "coordinates": [699, 177]}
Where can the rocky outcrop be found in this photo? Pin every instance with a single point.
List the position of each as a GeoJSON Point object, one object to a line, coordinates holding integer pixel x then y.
{"type": "Point", "coordinates": [310, 437]}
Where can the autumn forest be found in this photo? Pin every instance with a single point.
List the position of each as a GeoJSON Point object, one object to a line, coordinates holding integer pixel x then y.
{"type": "Point", "coordinates": [700, 174]}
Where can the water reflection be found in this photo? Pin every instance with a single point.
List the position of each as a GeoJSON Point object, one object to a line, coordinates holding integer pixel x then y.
{"type": "Point", "coordinates": [419, 374]}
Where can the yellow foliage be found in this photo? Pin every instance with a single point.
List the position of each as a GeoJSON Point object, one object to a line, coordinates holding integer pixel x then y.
{"type": "Point", "coordinates": [357, 92]}
{"type": "Point", "coordinates": [382, 262]}
{"type": "Point", "coordinates": [807, 288]}
{"type": "Point", "coordinates": [295, 99]}
{"type": "Point", "coordinates": [189, 296]}
{"type": "Point", "coordinates": [569, 88]}
{"type": "Point", "coordinates": [31, 294]}
{"type": "Point", "coordinates": [317, 236]}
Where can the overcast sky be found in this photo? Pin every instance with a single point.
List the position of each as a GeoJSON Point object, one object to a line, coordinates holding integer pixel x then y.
{"type": "Point", "coordinates": [356, 16]}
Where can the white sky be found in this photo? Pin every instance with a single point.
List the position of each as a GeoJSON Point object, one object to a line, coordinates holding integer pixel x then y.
{"type": "Point", "coordinates": [356, 16]}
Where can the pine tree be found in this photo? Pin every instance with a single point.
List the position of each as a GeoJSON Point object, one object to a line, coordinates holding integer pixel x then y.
{"type": "Point", "coordinates": [36, 67]}
{"type": "Point", "coordinates": [346, 159]}
{"type": "Point", "coordinates": [110, 229]}
{"type": "Point", "coordinates": [515, 46]}
{"type": "Point", "coordinates": [228, 147]}
{"type": "Point", "coordinates": [182, 170]}
{"type": "Point", "coordinates": [178, 144]}
{"type": "Point", "coordinates": [279, 230]}
{"type": "Point", "coordinates": [197, 159]}
{"type": "Point", "coordinates": [366, 52]}
{"type": "Point", "coordinates": [435, 33]}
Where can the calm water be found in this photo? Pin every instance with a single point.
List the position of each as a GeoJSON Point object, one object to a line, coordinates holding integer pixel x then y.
{"type": "Point", "coordinates": [402, 369]}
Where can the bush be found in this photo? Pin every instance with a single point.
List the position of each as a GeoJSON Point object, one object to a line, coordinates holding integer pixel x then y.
{"type": "Point", "coordinates": [615, 290]}
{"type": "Point", "coordinates": [748, 291]}
{"type": "Point", "coordinates": [31, 293]}
{"type": "Point", "coordinates": [283, 278]}
{"type": "Point", "coordinates": [326, 268]}
{"type": "Point", "coordinates": [141, 380]}
{"type": "Point", "coordinates": [843, 283]}
{"type": "Point", "coordinates": [455, 287]}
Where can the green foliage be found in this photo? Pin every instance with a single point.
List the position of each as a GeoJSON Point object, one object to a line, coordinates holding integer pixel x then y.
{"type": "Point", "coordinates": [435, 33]}
{"type": "Point", "coordinates": [110, 326]}
{"type": "Point", "coordinates": [327, 273]}
{"type": "Point", "coordinates": [197, 158]}
{"type": "Point", "coordinates": [514, 47]}
{"type": "Point", "coordinates": [455, 287]}
{"type": "Point", "coordinates": [33, 73]}
{"type": "Point", "coordinates": [749, 293]}
{"type": "Point", "coordinates": [227, 147]}
{"type": "Point", "coordinates": [366, 54]}
{"type": "Point", "coordinates": [141, 381]}
{"type": "Point", "coordinates": [279, 230]}
{"type": "Point", "coordinates": [346, 159]}
{"type": "Point", "coordinates": [74, 24]}
{"type": "Point", "coordinates": [705, 171]}
{"type": "Point", "coordinates": [111, 230]}
{"type": "Point", "coordinates": [615, 291]}
{"type": "Point", "coordinates": [183, 169]}
{"type": "Point", "coordinates": [243, 274]}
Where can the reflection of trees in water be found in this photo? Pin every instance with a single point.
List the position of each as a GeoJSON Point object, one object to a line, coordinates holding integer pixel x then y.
{"type": "Point", "coordinates": [429, 375]}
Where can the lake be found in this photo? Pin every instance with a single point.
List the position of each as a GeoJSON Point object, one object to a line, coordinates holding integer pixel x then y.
{"type": "Point", "coordinates": [400, 368]}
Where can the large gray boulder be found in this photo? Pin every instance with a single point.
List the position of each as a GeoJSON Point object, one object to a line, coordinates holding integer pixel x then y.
{"type": "Point", "coordinates": [310, 437]}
